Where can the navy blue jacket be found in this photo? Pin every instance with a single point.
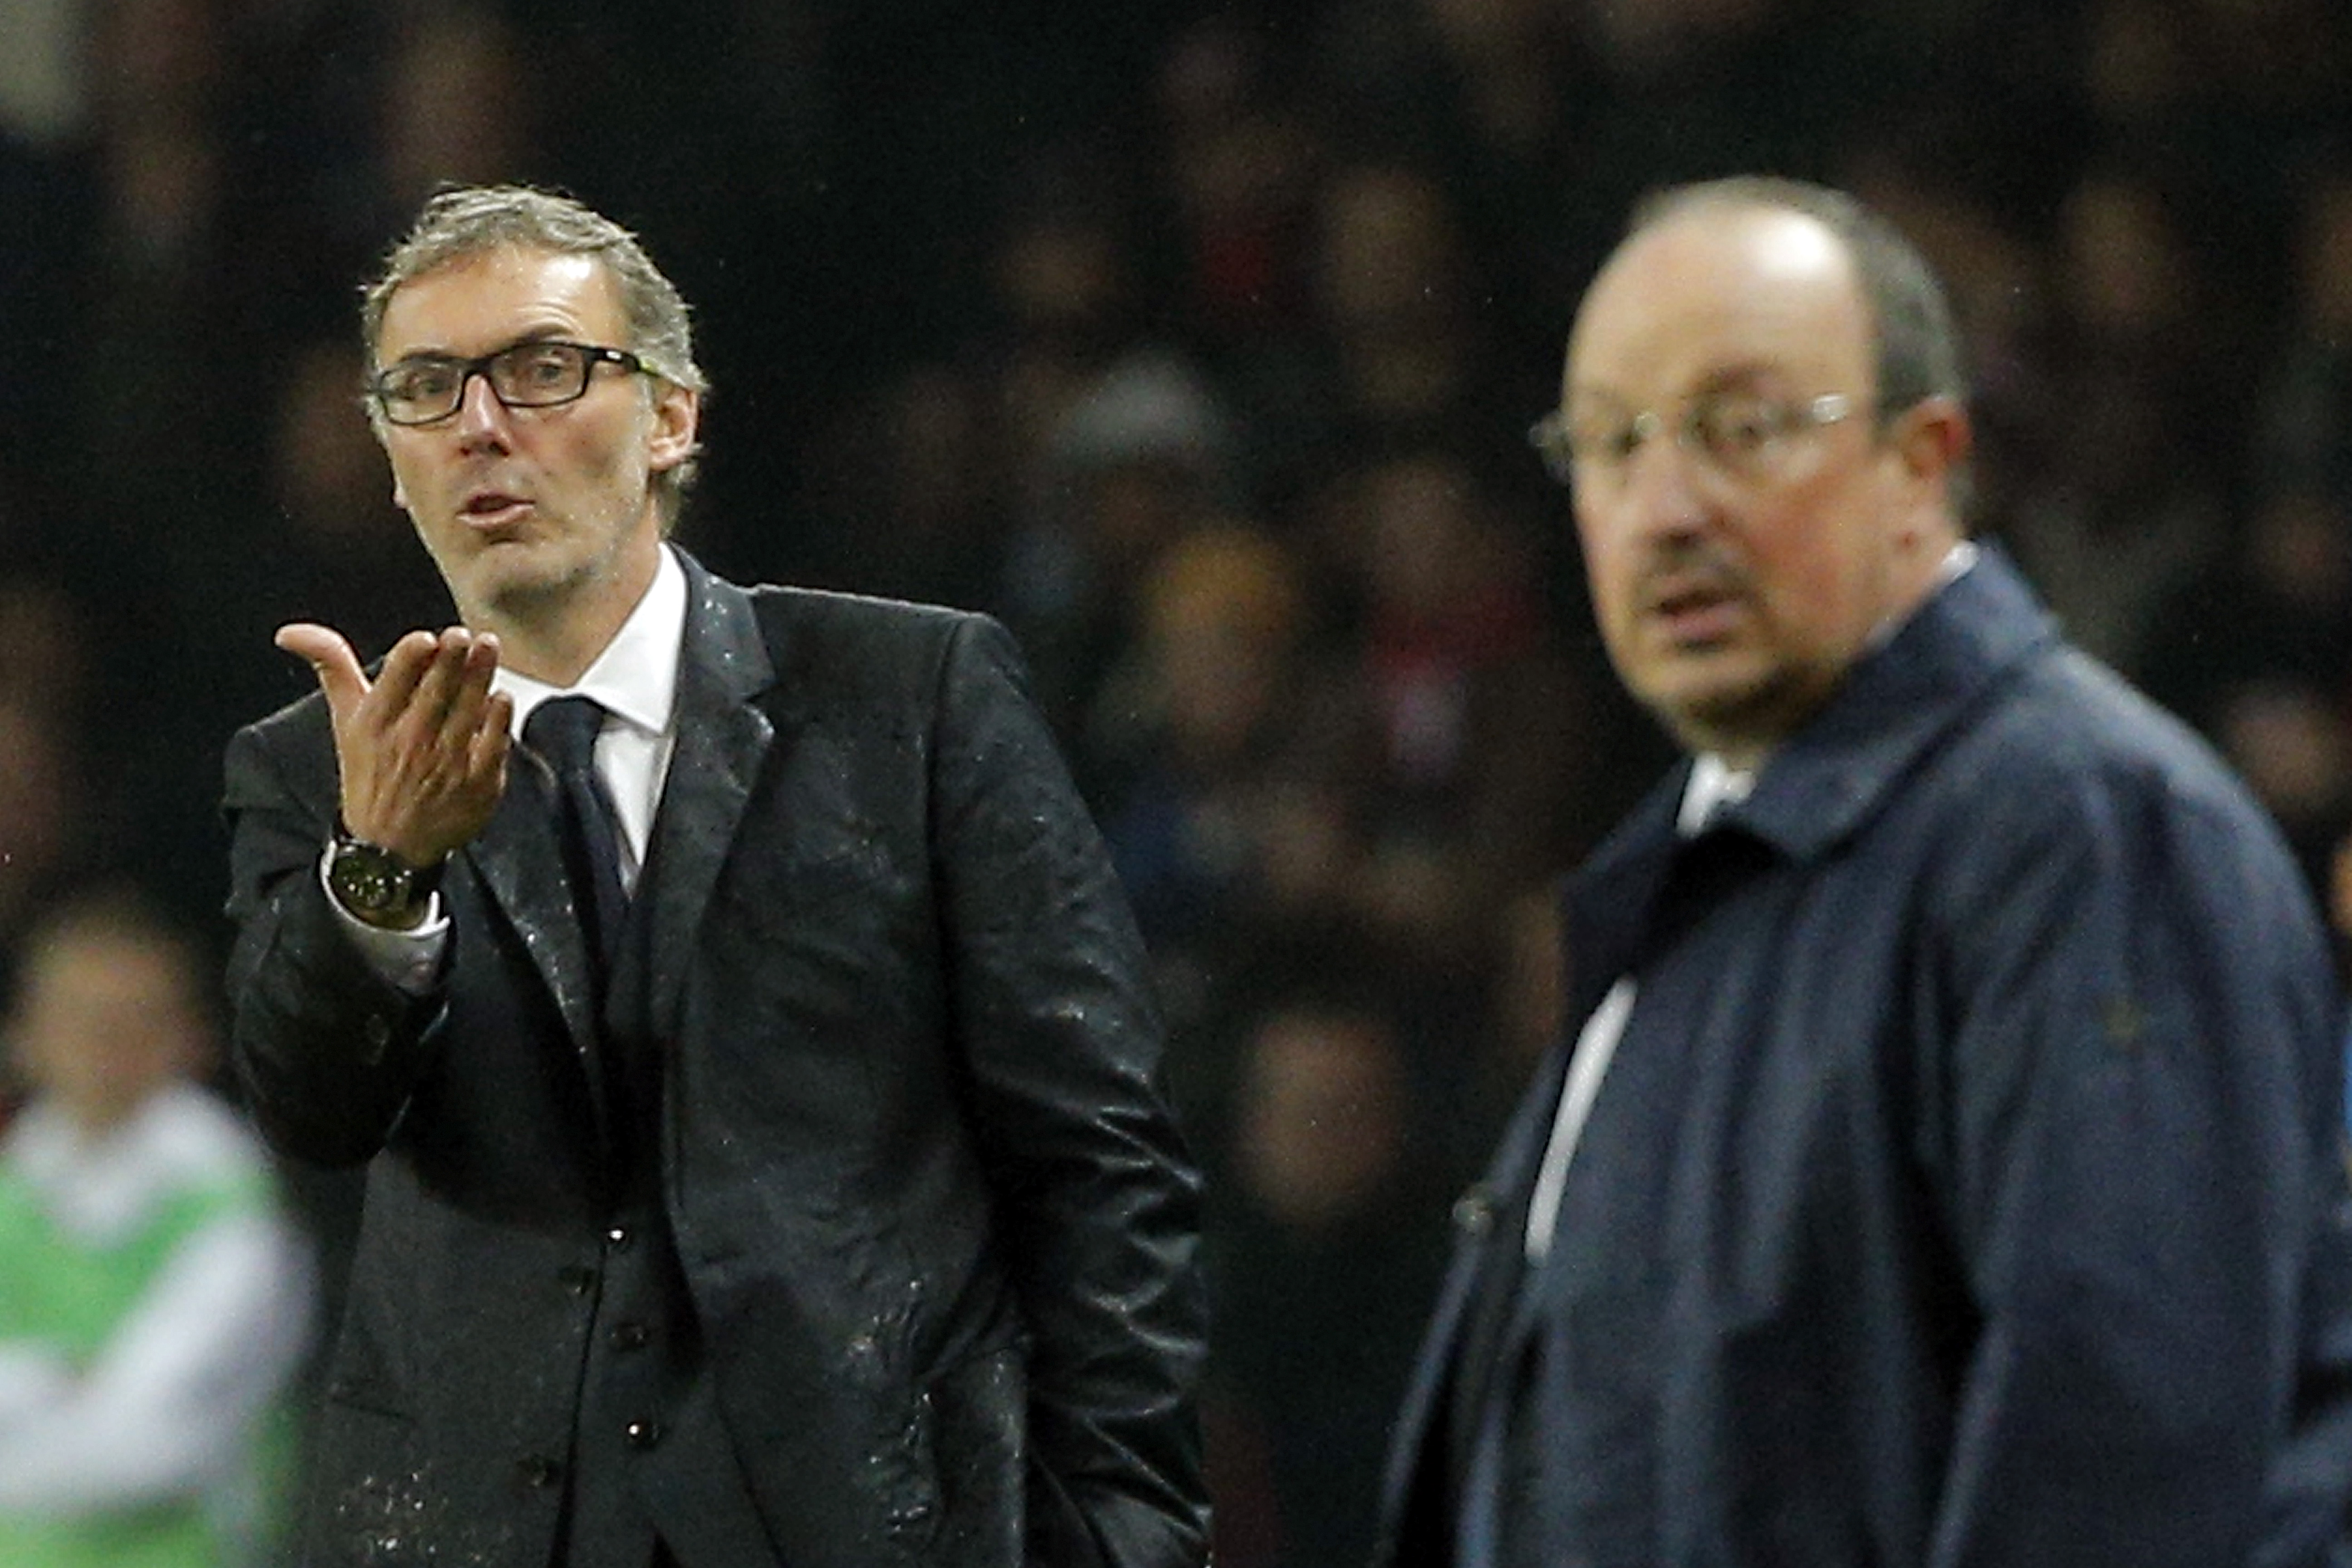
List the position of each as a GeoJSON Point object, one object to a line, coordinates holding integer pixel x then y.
{"type": "Point", "coordinates": [1966, 1188]}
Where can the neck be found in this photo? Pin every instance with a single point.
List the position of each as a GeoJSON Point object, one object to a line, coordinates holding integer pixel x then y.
{"type": "Point", "coordinates": [555, 635]}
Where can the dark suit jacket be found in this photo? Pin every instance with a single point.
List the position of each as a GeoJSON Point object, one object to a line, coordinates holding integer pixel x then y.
{"type": "Point", "coordinates": [1965, 1189]}
{"type": "Point", "coordinates": [937, 1227]}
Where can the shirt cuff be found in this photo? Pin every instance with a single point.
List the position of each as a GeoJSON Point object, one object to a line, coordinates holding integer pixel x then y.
{"type": "Point", "coordinates": [409, 959]}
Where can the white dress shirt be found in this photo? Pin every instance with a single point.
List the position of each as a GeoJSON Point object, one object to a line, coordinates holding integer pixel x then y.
{"type": "Point", "coordinates": [635, 681]}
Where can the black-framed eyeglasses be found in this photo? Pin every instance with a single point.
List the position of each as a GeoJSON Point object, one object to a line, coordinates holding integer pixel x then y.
{"type": "Point", "coordinates": [1739, 434]}
{"type": "Point", "coordinates": [540, 373]}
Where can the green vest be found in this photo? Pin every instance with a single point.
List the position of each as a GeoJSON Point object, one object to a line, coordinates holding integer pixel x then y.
{"type": "Point", "coordinates": [61, 1293]}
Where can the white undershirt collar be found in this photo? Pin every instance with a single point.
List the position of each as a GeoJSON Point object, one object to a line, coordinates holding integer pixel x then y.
{"type": "Point", "coordinates": [635, 675]}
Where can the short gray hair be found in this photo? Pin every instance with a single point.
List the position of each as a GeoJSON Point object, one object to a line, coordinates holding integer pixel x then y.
{"type": "Point", "coordinates": [465, 221]}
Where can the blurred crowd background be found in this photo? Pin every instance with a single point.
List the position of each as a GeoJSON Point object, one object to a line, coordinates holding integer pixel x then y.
{"type": "Point", "coordinates": [1199, 343]}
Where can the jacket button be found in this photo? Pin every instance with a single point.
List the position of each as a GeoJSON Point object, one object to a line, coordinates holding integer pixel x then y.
{"type": "Point", "coordinates": [619, 1237]}
{"type": "Point", "coordinates": [642, 1433]}
{"type": "Point", "coordinates": [631, 1337]}
{"type": "Point", "coordinates": [538, 1471]}
{"type": "Point", "coordinates": [1474, 1211]}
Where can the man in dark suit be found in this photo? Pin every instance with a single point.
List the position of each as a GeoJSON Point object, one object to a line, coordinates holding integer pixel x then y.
{"type": "Point", "coordinates": [1941, 1169]}
{"type": "Point", "coordinates": [747, 1039]}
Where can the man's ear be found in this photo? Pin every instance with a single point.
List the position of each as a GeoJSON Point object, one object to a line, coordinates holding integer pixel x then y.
{"type": "Point", "coordinates": [1934, 437]}
{"type": "Point", "coordinates": [1931, 440]}
{"type": "Point", "coordinates": [677, 417]}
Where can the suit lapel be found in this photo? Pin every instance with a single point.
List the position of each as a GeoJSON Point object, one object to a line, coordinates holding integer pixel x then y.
{"type": "Point", "coordinates": [722, 738]}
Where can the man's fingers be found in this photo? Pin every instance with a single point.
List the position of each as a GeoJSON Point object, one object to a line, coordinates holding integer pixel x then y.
{"type": "Point", "coordinates": [422, 749]}
{"type": "Point", "coordinates": [487, 754]}
{"type": "Point", "coordinates": [403, 669]}
{"type": "Point", "coordinates": [439, 685]}
{"type": "Point", "coordinates": [470, 694]}
{"type": "Point", "coordinates": [331, 658]}
{"type": "Point", "coordinates": [484, 657]}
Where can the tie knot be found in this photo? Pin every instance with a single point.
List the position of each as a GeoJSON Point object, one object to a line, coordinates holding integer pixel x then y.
{"type": "Point", "coordinates": [564, 730]}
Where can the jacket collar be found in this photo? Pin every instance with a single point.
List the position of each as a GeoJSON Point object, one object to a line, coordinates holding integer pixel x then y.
{"type": "Point", "coordinates": [1821, 787]}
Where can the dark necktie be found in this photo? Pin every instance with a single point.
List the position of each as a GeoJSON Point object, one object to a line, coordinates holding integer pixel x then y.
{"type": "Point", "coordinates": [562, 731]}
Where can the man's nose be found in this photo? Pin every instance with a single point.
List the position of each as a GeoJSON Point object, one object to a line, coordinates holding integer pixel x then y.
{"type": "Point", "coordinates": [481, 418]}
{"type": "Point", "coordinates": [1667, 488]}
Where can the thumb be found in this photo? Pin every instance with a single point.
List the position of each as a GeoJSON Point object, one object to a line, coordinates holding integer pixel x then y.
{"type": "Point", "coordinates": [331, 658]}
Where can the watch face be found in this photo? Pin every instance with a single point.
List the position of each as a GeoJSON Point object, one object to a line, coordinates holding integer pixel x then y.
{"type": "Point", "coordinates": [368, 879]}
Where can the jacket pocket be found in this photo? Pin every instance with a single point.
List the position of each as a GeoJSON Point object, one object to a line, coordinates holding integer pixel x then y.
{"type": "Point", "coordinates": [966, 1451]}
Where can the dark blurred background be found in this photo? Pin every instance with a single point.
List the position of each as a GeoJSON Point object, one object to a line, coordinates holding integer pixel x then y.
{"type": "Point", "coordinates": [1199, 343]}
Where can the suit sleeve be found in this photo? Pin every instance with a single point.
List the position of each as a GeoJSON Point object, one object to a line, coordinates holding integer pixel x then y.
{"type": "Point", "coordinates": [326, 1048]}
{"type": "Point", "coordinates": [1098, 1199]}
{"type": "Point", "coordinates": [2143, 1182]}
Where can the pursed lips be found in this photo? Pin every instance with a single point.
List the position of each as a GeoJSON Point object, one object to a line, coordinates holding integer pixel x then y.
{"type": "Point", "coordinates": [490, 506]}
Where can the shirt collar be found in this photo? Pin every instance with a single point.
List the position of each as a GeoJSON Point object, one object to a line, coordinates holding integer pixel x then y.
{"type": "Point", "coordinates": [1713, 784]}
{"type": "Point", "coordinates": [635, 677]}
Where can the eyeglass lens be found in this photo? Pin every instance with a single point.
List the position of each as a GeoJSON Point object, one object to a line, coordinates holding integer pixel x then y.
{"type": "Point", "coordinates": [528, 376]}
{"type": "Point", "coordinates": [1737, 432]}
